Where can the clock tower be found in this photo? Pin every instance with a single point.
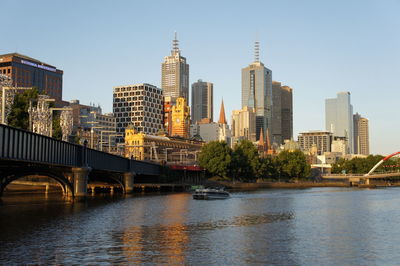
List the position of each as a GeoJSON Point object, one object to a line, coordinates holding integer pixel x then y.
{"type": "Point", "coordinates": [180, 118]}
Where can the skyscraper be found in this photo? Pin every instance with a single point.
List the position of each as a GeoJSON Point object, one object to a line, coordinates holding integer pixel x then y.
{"type": "Point", "coordinates": [276, 113]}
{"type": "Point", "coordinates": [282, 113]}
{"type": "Point", "coordinates": [339, 117]}
{"type": "Point", "coordinates": [175, 74]}
{"type": "Point", "coordinates": [257, 92]}
{"type": "Point", "coordinates": [287, 112]}
{"type": "Point", "coordinates": [202, 101]}
{"type": "Point", "coordinates": [361, 134]}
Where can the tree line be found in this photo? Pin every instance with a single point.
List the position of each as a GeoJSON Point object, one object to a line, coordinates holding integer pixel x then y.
{"type": "Point", "coordinates": [243, 163]}
{"type": "Point", "coordinates": [363, 165]}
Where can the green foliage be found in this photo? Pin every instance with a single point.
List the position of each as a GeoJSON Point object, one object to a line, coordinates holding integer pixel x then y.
{"type": "Point", "coordinates": [216, 157]}
{"type": "Point", "coordinates": [362, 165]}
{"type": "Point", "coordinates": [57, 132]}
{"type": "Point", "coordinates": [244, 163]}
{"type": "Point", "coordinates": [293, 164]}
{"type": "Point", "coordinates": [19, 116]}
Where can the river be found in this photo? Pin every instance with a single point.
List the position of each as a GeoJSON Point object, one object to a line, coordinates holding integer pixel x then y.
{"type": "Point", "coordinates": [316, 226]}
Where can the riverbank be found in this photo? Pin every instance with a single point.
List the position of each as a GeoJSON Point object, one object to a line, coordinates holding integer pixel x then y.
{"type": "Point", "coordinates": [295, 185]}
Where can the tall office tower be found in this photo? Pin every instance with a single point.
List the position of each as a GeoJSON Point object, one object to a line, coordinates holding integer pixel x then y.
{"type": "Point", "coordinates": [361, 134]}
{"type": "Point", "coordinates": [175, 74]}
{"type": "Point", "coordinates": [202, 101]}
{"type": "Point", "coordinates": [276, 113]}
{"type": "Point", "coordinates": [180, 118]}
{"type": "Point", "coordinates": [29, 72]}
{"type": "Point", "coordinates": [257, 92]}
{"type": "Point", "coordinates": [287, 112]}
{"type": "Point", "coordinates": [339, 118]}
{"type": "Point", "coordinates": [356, 144]}
{"type": "Point", "coordinates": [140, 105]}
{"type": "Point", "coordinates": [244, 124]}
{"type": "Point", "coordinates": [282, 113]}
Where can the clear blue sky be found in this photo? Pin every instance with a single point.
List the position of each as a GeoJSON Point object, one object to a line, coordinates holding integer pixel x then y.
{"type": "Point", "coordinates": [317, 47]}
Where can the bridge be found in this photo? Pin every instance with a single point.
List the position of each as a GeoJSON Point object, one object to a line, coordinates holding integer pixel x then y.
{"type": "Point", "coordinates": [365, 178]}
{"type": "Point", "coordinates": [23, 153]}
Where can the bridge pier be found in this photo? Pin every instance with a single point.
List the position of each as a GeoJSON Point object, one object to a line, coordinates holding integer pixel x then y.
{"type": "Point", "coordinates": [80, 181]}
{"type": "Point", "coordinates": [128, 182]}
{"type": "Point", "coordinates": [366, 181]}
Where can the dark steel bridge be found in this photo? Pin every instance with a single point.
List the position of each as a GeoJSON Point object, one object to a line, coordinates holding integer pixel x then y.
{"type": "Point", "coordinates": [23, 153]}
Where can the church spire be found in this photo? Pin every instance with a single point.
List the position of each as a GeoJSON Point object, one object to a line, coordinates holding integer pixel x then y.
{"type": "Point", "coordinates": [222, 119]}
{"type": "Point", "coordinates": [261, 142]}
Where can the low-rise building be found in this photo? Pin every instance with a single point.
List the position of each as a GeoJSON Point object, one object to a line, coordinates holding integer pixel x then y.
{"type": "Point", "coordinates": [141, 146]}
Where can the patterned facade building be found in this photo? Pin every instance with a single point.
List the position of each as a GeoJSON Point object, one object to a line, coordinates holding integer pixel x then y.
{"type": "Point", "coordinates": [140, 105]}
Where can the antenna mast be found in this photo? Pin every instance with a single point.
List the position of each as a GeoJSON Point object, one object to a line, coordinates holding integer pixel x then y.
{"type": "Point", "coordinates": [257, 51]}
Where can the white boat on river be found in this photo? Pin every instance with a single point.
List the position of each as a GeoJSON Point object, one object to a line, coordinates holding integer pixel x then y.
{"type": "Point", "coordinates": [210, 193]}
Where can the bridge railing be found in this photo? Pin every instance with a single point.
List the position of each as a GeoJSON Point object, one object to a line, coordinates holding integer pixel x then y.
{"type": "Point", "coordinates": [21, 145]}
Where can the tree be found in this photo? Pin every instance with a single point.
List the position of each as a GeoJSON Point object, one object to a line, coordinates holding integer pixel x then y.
{"type": "Point", "coordinates": [246, 161]}
{"type": "Point", "coordinates": [216, 158]}
{"type": "Point", "coordinates": [19, 116]}
{"type": "Point", "coordinates": [293, 164]}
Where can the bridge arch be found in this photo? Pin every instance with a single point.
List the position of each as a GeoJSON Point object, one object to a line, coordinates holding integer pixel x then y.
{"type": "Point", "coordinates": [65, 184]}
{"type": "Point", "coordinates": [381, 162]}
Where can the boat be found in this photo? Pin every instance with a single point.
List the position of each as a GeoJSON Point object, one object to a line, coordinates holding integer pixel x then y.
{"type": "Point", "coordinates": [210, 193]}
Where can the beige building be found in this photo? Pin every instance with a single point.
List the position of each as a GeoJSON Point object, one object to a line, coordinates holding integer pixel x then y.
{"type": "Point", "coordinates": [180, 119]}
{"type": "Point", "coordinates": [321, 140]}
{"type": "Point", "coordinates": [141, 146]}
{"type": "Point", "coordinates": [202, 101]}
{"type": "Point", "coordinates": [363, 136]}
{"type": "Point", "coordinates": [175, 74]}
{"type": "Point", "coordinates": [244, 124]}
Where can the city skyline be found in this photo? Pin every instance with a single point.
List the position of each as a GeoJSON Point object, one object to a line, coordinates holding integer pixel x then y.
{"type": "Point", "coordinates": [350, 48]}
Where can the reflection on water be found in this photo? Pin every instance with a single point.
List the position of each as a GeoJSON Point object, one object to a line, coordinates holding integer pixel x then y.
{"type": "Point", "coordinates": [296, 227]}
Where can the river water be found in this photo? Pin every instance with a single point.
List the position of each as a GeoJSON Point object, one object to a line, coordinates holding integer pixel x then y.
{"type": "Point", "coordinates": [317, 226]}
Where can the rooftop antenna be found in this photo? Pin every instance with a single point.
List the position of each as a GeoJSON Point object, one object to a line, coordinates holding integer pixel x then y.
{"type": "Point", "coordinates": [257, 51]}
{"type": "Point", "coordinates": [175, 43]}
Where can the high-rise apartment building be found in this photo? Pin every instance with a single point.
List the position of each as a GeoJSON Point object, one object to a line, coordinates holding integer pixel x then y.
{"type": "Point", "coordinates": [322, 140]}
{"type": "Point", "coordinates": [257, 92]}
{"type": "Point", "coordinates": [175, 74]}
{"type": "Point", "coordinates": [29, 72]}
{"type": "Point", "coordinates": [180, 117]}
{"type": "Point", "coordinates": [339, 118]}
{"type": "Point", "coordinates": [140, 105]}
{"type": "Point", "coordinates": [202, 101]}
{"type": "Point", "coordinates": [244, 124]}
